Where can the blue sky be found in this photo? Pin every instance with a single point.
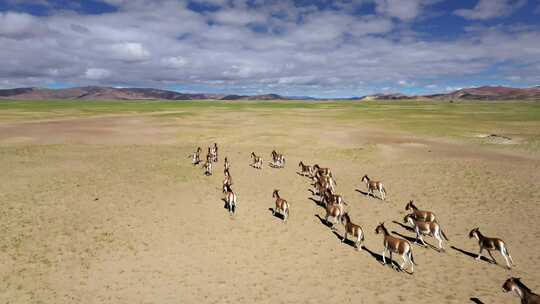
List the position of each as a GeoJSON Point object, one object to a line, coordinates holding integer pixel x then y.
{"type": "Point", "coordinates": [316, 48]}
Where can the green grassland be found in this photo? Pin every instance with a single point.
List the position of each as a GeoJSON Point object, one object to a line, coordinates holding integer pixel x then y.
{"type": "Point", "coordinates": [458, 120]}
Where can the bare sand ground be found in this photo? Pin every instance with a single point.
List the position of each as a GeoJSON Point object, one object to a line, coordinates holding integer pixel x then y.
{"type": "Point", "coordinates": [110, 210]}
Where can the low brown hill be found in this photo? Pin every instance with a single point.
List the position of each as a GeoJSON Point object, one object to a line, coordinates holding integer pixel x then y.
{"type": "Point", "coordinates": [100, 93]}
{"type": "Point", "coordinates": [493, 93]}
{"type": "Point", "coordinates": [110, 93]}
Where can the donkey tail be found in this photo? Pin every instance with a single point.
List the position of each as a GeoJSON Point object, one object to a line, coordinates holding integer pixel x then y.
{"type": "Point", "coordinates": [444, 235]}
{"type": "Point", "coordinates": [412, 258]}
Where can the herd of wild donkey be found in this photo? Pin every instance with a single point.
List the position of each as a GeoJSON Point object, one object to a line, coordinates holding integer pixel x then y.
{"type": "Point", "coordinates": [423, 222]}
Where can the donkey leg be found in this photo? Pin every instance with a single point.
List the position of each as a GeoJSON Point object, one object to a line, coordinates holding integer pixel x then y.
{"type": "Point", "coordinates": [508, 254]}
{"type": "Point", "coordinates": [418, 236]}
{"type": "Point", "coordinates": [479, 253]}
{"type": "Point", "coordinates": [493, 258]}
{"type": "Point", "coordinates": [439, 238]}
{"type": "Point", "coordinates": [405, 260]}
{"type": "Point", "coordinates": [506, 259]}
{"type": "Point", "coordinates": [410, 261]}
{"type": "Point", "coordinates": [422, 240]}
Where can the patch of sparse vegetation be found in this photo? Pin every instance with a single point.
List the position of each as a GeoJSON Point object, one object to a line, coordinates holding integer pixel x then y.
{"type": "Point", "coordinates": [458, 120]}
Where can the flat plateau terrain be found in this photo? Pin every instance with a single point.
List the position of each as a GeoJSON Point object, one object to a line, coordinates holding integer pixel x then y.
{"type": "Point", "coordinates": [99, 202]}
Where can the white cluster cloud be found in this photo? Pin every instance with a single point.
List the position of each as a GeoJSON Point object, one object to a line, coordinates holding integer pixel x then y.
{"type": "Point", "coordinates": [97, 73]}
{"type": "Point", "coordinates": [405, 10]}
{"type": "Point", "coordinates": [275, 46]}
{"type": "Point", "coordinates": [20, 25]}
{"type": "Point", "coordinates": [488, 9]}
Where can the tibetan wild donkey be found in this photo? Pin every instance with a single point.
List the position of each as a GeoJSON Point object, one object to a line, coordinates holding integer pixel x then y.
{"type": "Point", "coordinates": [282, 206]}
{"type": "Point", "coordinates": [396, 245]}
{"type": "Point", "coordinates": [257, 161]}
{"type": "Point", "coordinates": [335, 209]}
{"type": "Point", "coordinates": [305, 170]}
{"type": "Point", "coordinates": [196, 156]}
{"type": "Point", "coordinates": [278, 160]}
{"type": "Point", "coordinates": [420, 215]}
{"type": "Point", "coordinates": [426, 228]}
{"type": "Point", "coordinates": [230, 200]}
{"type": "Point", "coordinates": [489, 244]}
{"type": "Point", "coordinates": [374, 185]}
{"type": "Point", "coordinates": [214, 152]}
{"type": "Point", "coordinates": [226, 164]}
{"type": "Point", "coordinates": [207, 167]}
{"type": "Point", "coordinates": [523, 292]}
{"type": "Point", "coordinates": [227, 182]}
{"type": "Point", "coordinates": [353, 229]}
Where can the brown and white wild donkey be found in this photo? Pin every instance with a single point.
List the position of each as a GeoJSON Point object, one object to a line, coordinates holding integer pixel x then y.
{"type": "Point", "coordinates": [523, 292]}
{"type": "Point", "coordinates": [230, 200]}
{"type": "Point", "coordinates": [396, 245]}
{"type": "Point", "coordinates": [426, 228]}
{"type": "Point", "coordinates": [318, 171]}
{"type": "Point", "coordinates": [215, 153]}
{"type": "Point", "coordinates": [226, 164]}
{"type": "Point", "coordinates": [305, 170]}
{"type": "Point", "coordinates": [227, 182]}
{"type": "Point", "coordinates": [257, 161]}
{"type": "Point", "coordinates": [420, 215]}
{"type": "Point", "coordinates": [196, 157]}
{"type": "Point", "coordinates": [374, 185]}
{"type": "Point", "coordinates": [329, 197]}
{"type": "Point", "coordinates": [282, 206]}
{"type": "Point", "coordinates": [489, 244]}
{"type": "Point", "coordinates": [324, 183]}
{"type": "Point", "coordinates": [335, 210]}
{"type": "Point", "coordinates": [278, 160]}
{"type": "Point", "coordinates": [353, 229]}
{"type": "Point", "coordinates": [207, 167]}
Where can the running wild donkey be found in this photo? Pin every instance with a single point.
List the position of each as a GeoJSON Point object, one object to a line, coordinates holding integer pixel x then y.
{"type": "Point", "coordinates": [426, 228]}
{"type": "Point", "coordinates": [208, 166]}
{"type": "Point", "coordinates": [226, 164]}
{"type": "Point", "coordinates": [396, 245]}
{"type": "Point", "coordinates": [420, 215]}
{"type": "Point", "coordinates": [335, 210]}
{"type": "Point", "coordinates": [522, 291]}
{"type": "Point", "coordinates": [353, 229]}
{"type": "Point", "coordinates": [214, 151]}
{"type": "Point", "coordinates": [257, 161]}
{"type": "Point", "coordinates": [196, 157]}
{"type": "Point", "coordinates": [230, 200]}
{"type": "Point", "coordinates": [374, 185]}
{"type": "Point", "coordinates": [306, 170]}
{"type": "Point", "coordinates": [282, 206]}
{"type": "Point", "coordinates": [489, 244]}
{"type": "Point", "coordinates": [227, 182]}
{"type": "Point", "coordinates": [278, 160]}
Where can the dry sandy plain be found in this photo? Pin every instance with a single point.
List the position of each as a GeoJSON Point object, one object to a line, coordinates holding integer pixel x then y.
{"type": "Point", "coordinates": [105, 206]}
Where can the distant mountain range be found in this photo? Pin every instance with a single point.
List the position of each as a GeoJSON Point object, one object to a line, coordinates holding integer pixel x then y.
{"type": "Point", "coordinates": [110, 93]}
